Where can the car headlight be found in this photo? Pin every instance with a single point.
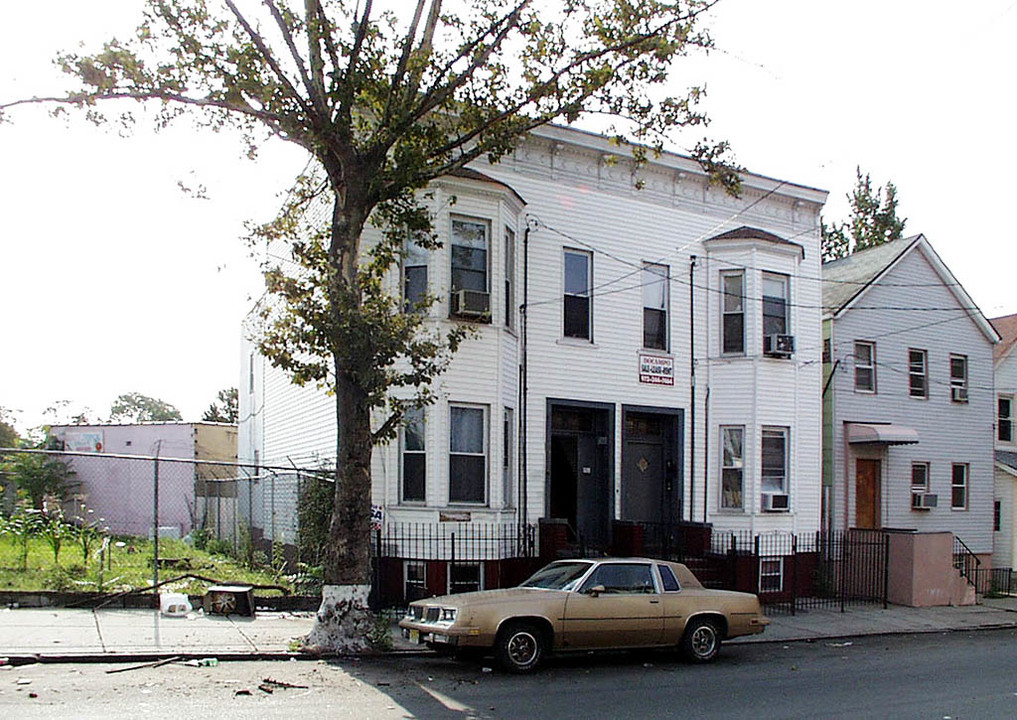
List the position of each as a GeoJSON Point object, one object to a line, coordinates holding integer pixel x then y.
{"type": "Point", "coordinates": [448, 615]}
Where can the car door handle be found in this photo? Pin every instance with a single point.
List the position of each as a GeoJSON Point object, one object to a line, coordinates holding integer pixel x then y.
{"type": "Point", "coordinates": [655, 602]}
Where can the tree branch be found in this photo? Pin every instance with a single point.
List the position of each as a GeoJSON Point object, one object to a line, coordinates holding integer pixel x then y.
{"type": "Point", "coordinates": [270, 58]}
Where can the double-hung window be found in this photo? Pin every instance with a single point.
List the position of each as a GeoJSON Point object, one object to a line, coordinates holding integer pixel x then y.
{"type": "Point", "coordinates": [655, 305]}
{"type": "Point", "coordinates": [733, 312]}
{"type": "Point", "coordinates": [774, 460]}
{"type": "Point", "coordinates": [467, 454]}
{"type": "Point", "coordinates": [918, 373]}
{"type": "Point", "coordinates": [414, 274]}
{"type": "Point", "coordinates": [776, 296]}
{"type": "Point", "coordinates": [959, 378]}
{"type": "Point", "coordinates": [1004, 419]}
{"type": "Point", "coordinates": [414, 457]}
{"type": "Point", "coordinates": [578, 290]}
{"type": "Point", "coordinates": [508, 436]}
{"type": "Point", "coordinates": [732, 471]}
{"type": "Point", "coordinates": [469, 254]}
{"type": "Point", "coordinates": [510, 277]}
{"type": "Point", "coordinates": [919, 483]}
{"type": "Point", "coordinates": [959, 487]}
{"type": "Point", "coordinates": [865, 366]}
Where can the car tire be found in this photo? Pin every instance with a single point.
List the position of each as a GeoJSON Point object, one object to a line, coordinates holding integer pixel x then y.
{"type": "Point", "coordinates": [701, 641]}
{"type": "Point", "coordinates": [520, 647]}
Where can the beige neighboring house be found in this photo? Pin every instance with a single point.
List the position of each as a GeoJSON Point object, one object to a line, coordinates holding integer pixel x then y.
{"type": "Point", "coordinates": [116, 469]}
{"type": "Point", "coordinates": [1005, 503]}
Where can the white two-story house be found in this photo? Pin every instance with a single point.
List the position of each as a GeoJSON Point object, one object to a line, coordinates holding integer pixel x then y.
{"type": "Point", "coordinates": [647, 350]}
{"type": "Point", "coordinates": [1005, 506]}
{"type": "Point", "coordinates": [908, 396]}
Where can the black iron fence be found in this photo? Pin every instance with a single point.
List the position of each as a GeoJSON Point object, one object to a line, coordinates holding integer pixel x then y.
{"type": "Point", "coordinates": [414, 560]}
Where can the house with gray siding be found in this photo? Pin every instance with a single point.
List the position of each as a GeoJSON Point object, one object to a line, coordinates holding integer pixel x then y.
{"type": "Point", "coordinates": [908, 397]}
{"type": "Point", "coordinates": [1005, 511]}
{"type": "Point", "coordinates": [647, 349]}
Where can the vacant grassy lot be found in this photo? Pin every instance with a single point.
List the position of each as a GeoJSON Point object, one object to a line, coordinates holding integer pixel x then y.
{"type": "Point", "coordinates": [126, 565]}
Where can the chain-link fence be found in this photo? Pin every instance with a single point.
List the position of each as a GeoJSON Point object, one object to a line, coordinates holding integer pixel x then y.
{"type": "Point", "coordinates": [227, 506]}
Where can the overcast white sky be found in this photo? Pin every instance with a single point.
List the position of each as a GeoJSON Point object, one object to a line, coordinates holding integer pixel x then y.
{"type": "Point", "coordinates": [113, 281]}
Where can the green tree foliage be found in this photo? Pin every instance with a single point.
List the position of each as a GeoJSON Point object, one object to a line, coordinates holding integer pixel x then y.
{"type": "Point", "coordinates": [225, 409]}
{"type": "Point", "coordinates": [9, 437]}
{"type": "Point", "coordinates": [134, 407]}
{"type": "Point", "coordinates": [873, 220]}
{"type": "Point", "coordinates": [38, 476]}
{"type": "Point", "coordinates": [384, 101]}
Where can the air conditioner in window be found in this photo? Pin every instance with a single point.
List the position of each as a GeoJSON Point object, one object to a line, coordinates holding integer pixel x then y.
{"type": "Point", "coordinates": [776, 502]}
{"type": "Point", "coordinates": [472, 304]}
{"type": "Point", "coordinates": [924, 500]}
{"type": "Point", "coordinates": [959, 394]}
{"type": "Point", "coordinates": [779, 345]}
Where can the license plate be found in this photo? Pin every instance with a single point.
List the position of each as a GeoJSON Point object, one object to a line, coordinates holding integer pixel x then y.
{"type": "Point", "coordinates": [414, 636]}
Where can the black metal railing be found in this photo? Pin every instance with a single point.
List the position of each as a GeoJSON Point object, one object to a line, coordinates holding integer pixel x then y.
{"type": "Point", "coordinates": [967, 563]}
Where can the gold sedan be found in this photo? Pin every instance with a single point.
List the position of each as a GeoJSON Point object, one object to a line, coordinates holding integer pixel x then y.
{"type": "Point", "coordinates": [601, 604]}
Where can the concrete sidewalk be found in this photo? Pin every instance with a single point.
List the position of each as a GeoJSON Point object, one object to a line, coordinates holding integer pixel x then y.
{"type": "Point", "coordinates": [116, 635]}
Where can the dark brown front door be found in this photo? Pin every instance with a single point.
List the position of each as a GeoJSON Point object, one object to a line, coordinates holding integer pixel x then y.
{"type": "Point", "coordinates": [867, 494]}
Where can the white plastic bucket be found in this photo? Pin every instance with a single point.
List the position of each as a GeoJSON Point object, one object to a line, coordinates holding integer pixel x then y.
{"type": "Point", "coordinates": [174, 604]}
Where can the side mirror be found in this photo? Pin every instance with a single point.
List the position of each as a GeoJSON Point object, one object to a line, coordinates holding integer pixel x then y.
{"type": "Point", "coordinates": [596, 590]}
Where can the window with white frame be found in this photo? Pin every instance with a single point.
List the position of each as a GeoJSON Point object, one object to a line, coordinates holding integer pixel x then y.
{"type": "Point", "coordinates": [510, 277]}
{"type": "Point", "coordinates": [732, 470]}
{"type": "Point", "coordinates": [1004, 418]}
{"type": "Point", "coordinates": [414, 274]}
{"type": "Point", "coordinates": [919, 483]}
{"type": "Point", "coordinates": [655, 305]}
{"type": "Point", "coordinates": [959, 378]}
{"type": "Point", "coordinates": [414, 580]}
{"type": "Point", "coordinates": [771, 574]}
{"type": "Point", "coordinates": [865, 366]}
{"type": "Point", "coordinates": [776, 296]}
{"type": "Point", "coordinates": [508, 436]}
{"type": "Point", "coordinates": [469, 254]}
{"type": "Point", "coordinates": [775, 459]}
{"type": "Point", "coordinates": [414, 457]}
{"type": "Point", "coordinates": [959, 487]}
{"type": "Point", "coordinates": [733, 312]}
{"type": "Point", "coordinates": [467, 454]}
{"type": "Point", "coordinates": [465, 577]}
{"type": "Point", "coordinates": [918, 373]}
{"type": "Point", "coordinates": [578, 290]}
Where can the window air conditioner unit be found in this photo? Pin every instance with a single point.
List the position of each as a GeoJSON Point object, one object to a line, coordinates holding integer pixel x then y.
{"type": "Point", "coordinates": [779, 345]}
{"type": "Point", "coordinates": [471, 303]}
{"type": "Point", "coordinates": [776, 502]}
{"type": "Point", "coordinates": [928, 500]}
{"type": "Point", "coordinates": [959, 394]}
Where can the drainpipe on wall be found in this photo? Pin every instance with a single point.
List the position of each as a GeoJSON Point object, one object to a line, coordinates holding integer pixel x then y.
{"type": "Point", "coordinates": [531, 224]}
{"type": "Point", "coordinates": [706, 449]}
{"type": "Point", "coordinates": [692, 388]}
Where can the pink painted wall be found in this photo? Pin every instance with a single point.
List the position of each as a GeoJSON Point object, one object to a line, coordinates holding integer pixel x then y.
{"type": "Point", "coordinates": [921, 572]}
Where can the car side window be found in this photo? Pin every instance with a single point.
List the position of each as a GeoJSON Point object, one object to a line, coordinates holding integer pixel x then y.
{"type": "Point", "coordinates": [628, 578]}
{"type": "Point", "coordinates": [667, 579]}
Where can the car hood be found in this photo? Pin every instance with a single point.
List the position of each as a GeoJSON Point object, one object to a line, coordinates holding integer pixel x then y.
{"type": "Point", "coordinates": [485, 597]}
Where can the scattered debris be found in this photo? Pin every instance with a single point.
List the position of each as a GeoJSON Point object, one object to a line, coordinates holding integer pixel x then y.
{"type": "Point", "coordinates": [280, 684]}
{"type": "Point", "coordinates": [486, 669]}
{"type": "Point", "coordinates": [203, 662]}
{"type": "Point", "coordinates": [33, 695]}
{"type": "Point", "coordinates": [840, 644]}
{"type": "Point", "coordinates": [242, 691]}
{"type": "Point", "coordinates": [24, 681]}
{"type": "Point", "coordinates": [383, 683]}
{"type": "Point", "coordinates": [157, 663]}
{"type": "Point", "coordinates": [265, 688]}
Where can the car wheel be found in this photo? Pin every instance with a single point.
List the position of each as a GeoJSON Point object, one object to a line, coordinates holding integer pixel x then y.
{"type": "Point", "coordinates": [701, 641]}
{"type": "Point", "coordinates": [520, 647]}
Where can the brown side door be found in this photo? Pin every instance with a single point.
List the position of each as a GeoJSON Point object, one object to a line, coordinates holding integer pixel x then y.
{"type": "Point", "coordinates": [868, 493]}
{"type": "Point", "coordinates": [628, 613]}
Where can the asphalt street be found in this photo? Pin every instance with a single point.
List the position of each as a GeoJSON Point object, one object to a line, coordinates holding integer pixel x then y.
{"type": "Point", "coordinates": [932, 675]}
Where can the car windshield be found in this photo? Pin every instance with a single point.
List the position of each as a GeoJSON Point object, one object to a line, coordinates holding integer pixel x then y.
{"type": "Point", "coordinates": [558, 576]}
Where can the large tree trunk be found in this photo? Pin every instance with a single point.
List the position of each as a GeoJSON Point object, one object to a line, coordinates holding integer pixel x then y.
{"type": "Point", "coordinates": [344, 618]}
